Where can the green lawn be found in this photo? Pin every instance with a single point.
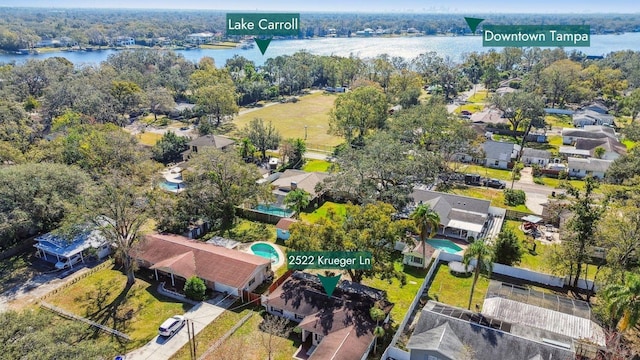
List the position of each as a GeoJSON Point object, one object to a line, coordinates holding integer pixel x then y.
{"type": "Point", "coordinates": [478, 97]}
{"type": "Point", "coordinates": [473, 108]}
{"type": "Point", "coordinates": [248, 231]}
{"type": "Point", "coordinates": [212, 332]}
{"type": "Point", "coordinates": [316, 165]}
{"type": "Point", "coordinates": [485, 171]}
{"type": "Point", "coordinates": [453, 290]}
{"type": "Point", "coordinates": [102, 297]}
{"type": "Point", "coordinates": [559, 120]}
{"type": "Point", "coordinates": [401, 296]}
{"type": "Point", "coordinates": [321, 212]}
{"type": "Point", "coordinates": [557, 183]}
{"type": "Point", "coordinates": [629, 144]}
{"type": "Point", "coordinates": [494, 195]}
{"type": "Point", "coordinates": [148, 138]}
{"type": "Point", "coordinates": [248, 343]}
{"type": "Point", "coordinates": [291, 118]}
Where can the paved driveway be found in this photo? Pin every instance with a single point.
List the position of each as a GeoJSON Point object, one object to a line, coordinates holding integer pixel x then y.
{"type": "Point", "coordinates": [161, 348]}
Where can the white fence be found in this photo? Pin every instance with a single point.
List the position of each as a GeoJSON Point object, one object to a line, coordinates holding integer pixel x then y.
{"type": "Point", "coordinates": [525, 274]}
{"type": "Point", "coordinates": [391, 349]}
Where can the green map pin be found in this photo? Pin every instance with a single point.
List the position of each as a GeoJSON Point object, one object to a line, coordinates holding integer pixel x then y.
{"type": "Point", "coordinates": [473, 23]}
{"type": "Point", "coordinates": [263, 44]}
{"type": "Point", "coordinates": [329, 283]}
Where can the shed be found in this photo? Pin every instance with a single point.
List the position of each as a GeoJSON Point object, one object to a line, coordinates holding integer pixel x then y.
{"type": "Point", "coordinates": [282, 228]}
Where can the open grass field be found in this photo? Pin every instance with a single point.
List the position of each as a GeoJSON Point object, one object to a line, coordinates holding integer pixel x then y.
{"type": "Point", "coordinates": [248, 343]}
{"type": "Point", "coordinates": [212, 332]}
{"type": "Point", "coordinates": [321, 212]}
{"type": "Point", "coordinates": [290, 119]}
{"type": "Point", "coordinates": [103, 298]}
{"type": "Point", "coordinates": [453, 290]}
{"type": "Point", "coordinates": [316, 166]}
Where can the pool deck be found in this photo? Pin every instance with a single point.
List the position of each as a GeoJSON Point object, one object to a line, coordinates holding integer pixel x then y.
{"type": "Point", "coordinates": [281, 257]}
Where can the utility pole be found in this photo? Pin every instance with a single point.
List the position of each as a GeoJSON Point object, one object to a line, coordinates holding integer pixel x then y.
{"type": "Point", "coordinates": [192, 355]}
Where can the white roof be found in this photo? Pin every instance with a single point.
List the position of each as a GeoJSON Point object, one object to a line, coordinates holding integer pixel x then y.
{"type": "Point", "coordinates": [458, 224]}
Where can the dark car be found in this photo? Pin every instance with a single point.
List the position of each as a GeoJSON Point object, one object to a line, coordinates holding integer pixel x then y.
{"type": "Point", "coordinates": [495, 183]}
{"type": "Point", "coordinates": [472, 179]}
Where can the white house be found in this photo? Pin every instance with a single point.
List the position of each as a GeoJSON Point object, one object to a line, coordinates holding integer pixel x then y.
{"type": "Point", "coordinates": [590, 117]}
{"type": "Point", "coordinates": [54, 248]}
{"type": "Point", "coordinates": [124, 41]}
{"type": "Point", "coordinates": [581, 168]}
{"type": "Point", "coordinates": [200, 38]}
{"type": "Point", "coordinates": [534, 156]}
{"type": "Point", "coordinates": [571, 135]}
{"type": "Point", "coordinates": [499, 154]}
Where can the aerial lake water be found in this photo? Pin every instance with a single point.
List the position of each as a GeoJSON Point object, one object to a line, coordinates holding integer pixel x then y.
{"type": "Point", "coordinates": [406, 47]}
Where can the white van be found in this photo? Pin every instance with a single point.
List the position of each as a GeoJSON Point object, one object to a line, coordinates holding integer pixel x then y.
{"type": "Point", "coordinates": [68, 262]}
{"type": "Point", "coordinates": [171, 325]}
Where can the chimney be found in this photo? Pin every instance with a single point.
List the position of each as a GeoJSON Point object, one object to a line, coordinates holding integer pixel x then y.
{"type": "Point", "coordinates": [294, 185]}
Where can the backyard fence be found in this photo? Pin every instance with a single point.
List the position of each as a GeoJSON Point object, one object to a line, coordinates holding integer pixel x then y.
{"type": "Point", "coordinates": [516, 215]}
{"type": "Point", "coordinates": [248, 297]}
{"type": "Point", "coordinates": [77, 278]}
{"type": "Point", "coordinates": [254, 215]}
{"type": "Point", "coordinates": [320, 148]}
{"type": "Point", "coordinates": [71, 316]}
{"type": "Point", "coordinates": [412, 313]}
{"type": "Point", "coordinates": [279, 281]}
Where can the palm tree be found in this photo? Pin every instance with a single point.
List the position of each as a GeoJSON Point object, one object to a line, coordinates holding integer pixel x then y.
{"type": "Point", "coordinates": [297, 200]}
{"type": "Point", "coordinates": [483, 254]}
{"type": "Point", "coordinates": [378, 315]}
{"type": "Point", "coordinates": [427, 222]}
{"type": "Point", "coordinates": [623, 302]}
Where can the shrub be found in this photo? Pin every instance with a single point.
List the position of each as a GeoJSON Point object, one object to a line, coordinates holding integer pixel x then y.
{"type": "Point", "coordinates": [536, 170]}
{"type": "Point", "coordinates": [507, 249]}
{"type": "Point", "coordinates": [514, 197]}
{"type": "Point", "coordinates": [195, 288]}
{"type": "Point", "coordinates": [538, 181]}
{"type": "Point", "coordinates": [563, 175]}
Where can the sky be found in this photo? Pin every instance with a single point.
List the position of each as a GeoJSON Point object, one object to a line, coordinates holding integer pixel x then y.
{"type": "Point", "coordinates": [414, 6]}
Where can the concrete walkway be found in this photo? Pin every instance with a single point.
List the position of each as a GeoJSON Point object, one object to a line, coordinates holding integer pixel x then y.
{"type": "Point", "coordinates": [161, 348]}
{"type": "Point", "coordinates": [534, 200]}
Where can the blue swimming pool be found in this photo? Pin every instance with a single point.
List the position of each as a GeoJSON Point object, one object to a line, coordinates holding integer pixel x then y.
{"type": "Point", "coordinates": [266, 251]}
{"type": "Point", "coordinates": [273, 210]}
{"type": "Point", "coordinates": [444, 245]}
{"type": "Point", "coordinates": [171, 186]}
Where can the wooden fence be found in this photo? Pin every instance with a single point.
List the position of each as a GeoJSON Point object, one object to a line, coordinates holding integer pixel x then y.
{"type": "Point", "coordinates": [248, 297]}
{"type": "Point", "coordinates": [279, 281]}
{"type": "Point", "coordinates": [71, 316]}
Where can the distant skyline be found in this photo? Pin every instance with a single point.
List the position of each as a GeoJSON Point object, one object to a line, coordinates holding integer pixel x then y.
{"type": "Point", "coordinates": [409, 6]}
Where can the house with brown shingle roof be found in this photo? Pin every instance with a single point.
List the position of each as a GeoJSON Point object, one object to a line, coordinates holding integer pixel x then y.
{"type": "Point", "coordinates": [282, 227]}
{"type": "Point", "coordinates": [336, 327]}
{"type": "Point", "coordinates": [222, 269]}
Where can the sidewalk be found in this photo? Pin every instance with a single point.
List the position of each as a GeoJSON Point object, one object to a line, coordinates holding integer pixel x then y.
{"type": "Point", "coordinates": [202, 314]}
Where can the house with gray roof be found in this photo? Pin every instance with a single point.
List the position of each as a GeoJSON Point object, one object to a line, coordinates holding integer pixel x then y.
{"type": "Point", "coordinates": [447, 332]}
{"type": "Point", "coordinates": [571, 135]}
{"type": "Point", "coordinates": [613, 148]}
{"type": "Point", "coordinates": [534, 156]}
{"type": "Point", "coordinates": [591, 117]}
{"type": "Point", "coordinates": [460, 216]}
{"type": "Point", "coordinates": [581, 168]}
{"type": "Point", "coordinates": [499, 154]}
{"type": "Point", "coordinates": [207, 141]}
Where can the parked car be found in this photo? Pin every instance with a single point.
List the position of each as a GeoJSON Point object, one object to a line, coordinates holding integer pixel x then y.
{"type": "Point", "coordinates": [495, 183]}
{"type": "Point", "coordinates": [171, 325]}
{"type": "Point", "coordinates": [472, 179]}
{"type": "Point", "coordinates": [68, 262]}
